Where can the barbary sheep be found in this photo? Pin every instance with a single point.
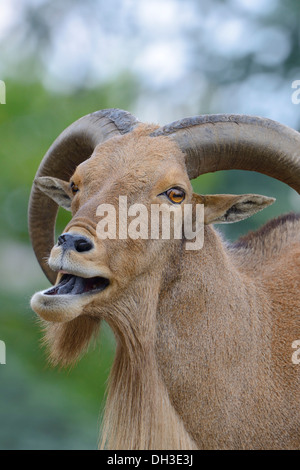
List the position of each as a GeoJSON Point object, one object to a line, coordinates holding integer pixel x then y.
{"type": "Point", "coordinates": [204, 337]}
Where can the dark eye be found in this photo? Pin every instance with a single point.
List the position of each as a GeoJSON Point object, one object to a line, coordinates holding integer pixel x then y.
{"type": "Point", "coordinates": [74, 187]}
{"type": "Point", "coordinates": [175, 195]}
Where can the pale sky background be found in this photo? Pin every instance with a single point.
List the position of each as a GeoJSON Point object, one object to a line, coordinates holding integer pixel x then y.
{"type": "Point", "coordinates": [153, 39]}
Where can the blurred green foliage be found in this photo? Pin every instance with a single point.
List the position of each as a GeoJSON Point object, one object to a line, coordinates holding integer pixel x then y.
{"type": "Point", "coordinates": [40, 407]}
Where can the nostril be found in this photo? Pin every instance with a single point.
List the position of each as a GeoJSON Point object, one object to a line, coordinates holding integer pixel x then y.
{"type": "Point", "coordinates": [69, 241]}
{"type": "Point", "coordinates": [61, 239]}
{"type": "Point", "coordinates": [82, 244]}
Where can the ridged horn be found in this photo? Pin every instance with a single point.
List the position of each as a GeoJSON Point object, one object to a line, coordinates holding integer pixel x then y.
{"type": "Point", "coordinates": [72, 147]}
{"type": "Point", "coordinates": [237, 142]}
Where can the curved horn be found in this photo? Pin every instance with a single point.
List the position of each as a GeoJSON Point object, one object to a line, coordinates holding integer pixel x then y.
{"type": "Point", "coordinates": [237, 142]}
{"type": "Point", "coordinates": [72, 147]}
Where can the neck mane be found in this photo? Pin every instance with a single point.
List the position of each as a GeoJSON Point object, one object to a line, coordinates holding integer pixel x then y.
{"type": "Point", "coordinates": [138, 413]}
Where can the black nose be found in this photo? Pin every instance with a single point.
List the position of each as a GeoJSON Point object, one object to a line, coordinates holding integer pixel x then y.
{"type": "Point", "coordinates": [74, 242]}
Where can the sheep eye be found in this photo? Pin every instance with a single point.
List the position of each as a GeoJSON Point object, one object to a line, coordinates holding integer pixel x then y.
{"type": "Point", "coordinates": [175, 195]}
{"type": "Point", "coordinates": [74, 187]}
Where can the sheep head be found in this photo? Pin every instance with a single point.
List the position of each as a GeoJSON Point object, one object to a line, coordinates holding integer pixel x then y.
{"type": "Point", "coordinates": [110, 154]}
{"type": "Point", "coordinates": [134, 166]}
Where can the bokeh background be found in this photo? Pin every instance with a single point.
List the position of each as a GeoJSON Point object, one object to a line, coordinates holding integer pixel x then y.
{"type": "Point", "coordinates": [161, 60]}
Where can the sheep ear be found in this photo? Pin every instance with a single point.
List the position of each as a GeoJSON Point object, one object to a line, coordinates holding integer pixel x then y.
{"type": "Point", "coordinates": [228, 208]}
{"type": "Point", "coordinates": [56, 189]}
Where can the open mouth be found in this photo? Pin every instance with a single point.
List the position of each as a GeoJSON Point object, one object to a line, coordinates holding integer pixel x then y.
{"type": "Point", "coordinates": [75, 285]}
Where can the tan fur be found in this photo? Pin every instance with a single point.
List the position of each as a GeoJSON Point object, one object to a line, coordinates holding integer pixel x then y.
{"type": "Point", "coordinates": [204, 338]}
